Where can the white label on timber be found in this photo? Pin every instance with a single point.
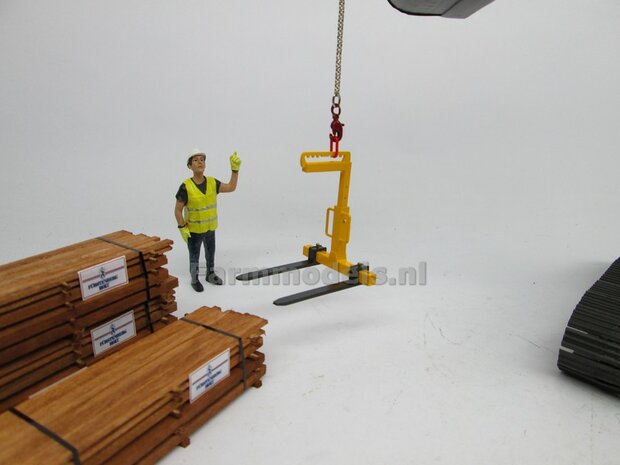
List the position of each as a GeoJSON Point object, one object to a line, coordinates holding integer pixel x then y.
{"type": "Point", "coordinates": [103, 277]}
{"type": "Point", "coordinates": [113, 333]}
{"type": "Point", "coordinates": [208, 375]}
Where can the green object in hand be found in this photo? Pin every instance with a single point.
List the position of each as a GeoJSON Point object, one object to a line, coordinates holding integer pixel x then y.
{"type": "Point", "coordinates": [185, 232]}
{"type": "Point", "coordinates": [235, 162]}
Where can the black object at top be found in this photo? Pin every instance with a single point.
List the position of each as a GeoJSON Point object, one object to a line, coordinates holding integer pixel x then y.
{"type": "Point", "coordinates": [445, 8]}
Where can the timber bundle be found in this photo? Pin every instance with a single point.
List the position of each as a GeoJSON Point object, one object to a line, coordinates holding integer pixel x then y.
{"type": "Point", "coordinates": [46, 321]}
{"type": "Point", "coordinates": [144, 400]}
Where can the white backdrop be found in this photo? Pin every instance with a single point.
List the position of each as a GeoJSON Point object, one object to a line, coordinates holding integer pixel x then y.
{"type": "Point", "coordinates": [486, 148]}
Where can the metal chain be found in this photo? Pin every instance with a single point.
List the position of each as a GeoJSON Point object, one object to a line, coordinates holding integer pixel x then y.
{"type": "Point", "coordinates": [336, 99]}
{"type": "Point", "coordinates": [337, 126]}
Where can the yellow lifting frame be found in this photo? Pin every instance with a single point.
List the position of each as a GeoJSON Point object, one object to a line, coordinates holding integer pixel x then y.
{"type": "Point", "coordinates": [336, 257]}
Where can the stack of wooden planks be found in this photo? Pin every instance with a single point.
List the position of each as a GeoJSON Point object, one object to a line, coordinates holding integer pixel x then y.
{"type": "Point", "coordinates": [141, 402]}
{"type": "Point", "coordinates": [46, 321]}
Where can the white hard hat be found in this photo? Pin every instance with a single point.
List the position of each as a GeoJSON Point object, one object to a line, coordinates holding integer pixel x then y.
{"type": "Point", "coordinates": [193, 153]}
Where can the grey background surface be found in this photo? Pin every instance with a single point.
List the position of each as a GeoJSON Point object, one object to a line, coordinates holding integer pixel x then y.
{"type": "Point", "coordinates": [486, 148]}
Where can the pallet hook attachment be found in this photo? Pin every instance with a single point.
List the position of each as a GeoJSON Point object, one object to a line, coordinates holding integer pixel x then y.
{"type": "Point", "coordinates": [336, 126]}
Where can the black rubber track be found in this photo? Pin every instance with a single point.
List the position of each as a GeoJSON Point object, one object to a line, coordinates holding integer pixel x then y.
{"type": "Point", "coordinates": [591, 345]}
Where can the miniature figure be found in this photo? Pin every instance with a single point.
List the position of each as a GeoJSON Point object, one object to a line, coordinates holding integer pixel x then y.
{"type": "Point", "coordinates": [196, 213]}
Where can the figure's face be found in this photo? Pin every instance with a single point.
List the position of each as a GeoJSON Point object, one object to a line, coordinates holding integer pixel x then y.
{"type": "Point", "coordinates": [198, 164]}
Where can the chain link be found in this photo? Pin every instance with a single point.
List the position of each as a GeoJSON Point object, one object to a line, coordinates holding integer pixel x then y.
{"type": "Point", "coordinates": [336, 125]}
{"type": "Point", "coordinates": [336, 99]}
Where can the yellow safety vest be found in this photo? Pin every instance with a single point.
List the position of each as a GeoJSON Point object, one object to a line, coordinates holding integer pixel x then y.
{"type": "Point", "coordinates": [201, 209]}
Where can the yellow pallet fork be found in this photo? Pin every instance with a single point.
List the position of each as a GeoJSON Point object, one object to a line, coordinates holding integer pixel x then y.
{"type": "Point", "coordinates": [336, 257]}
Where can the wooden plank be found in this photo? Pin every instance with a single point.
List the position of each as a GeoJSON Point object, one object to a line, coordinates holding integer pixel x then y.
{"type": "Point", "coordinates": [30, 335]}
{"type": "Point", "coordinates": [124, 436]}
{"type": "Point", "coordinates": [86, 358]}
{"type": "Point", "coordinates": [181, 435]}
{"type": "Point", "coordinates": [34, 343]}
{"type": "Point", "coordinates": [80, 362]}
{"type": "Point", "coordinates": [30, 446]}
{"type": "Point", "coordinates": [34, 361]}
{"type": "Point", "coordinates": [36, 388]}
{"type": "Point", "coordinates": [9, 267]}
{"type": "Point", "coordinates": [67, 292]}
{"type": "Point", "coordinates": [49, 336]}
{"type": "Point", "coordinates": [57, 296]}
{"type": "Point", "coordinates": [90, 251]}
{"type": "Point", "coordinates": [31, 378]}
{"type": "Point", "coordinates": [158, 284]}
{"type": "Point", "coordinates": [134, 265]}
{"type": "Point", "coordinates": [80, 343]}
{"type": "Point", "coordinates": [164, 358]}
{"type": "Point", "coordinates": [173, 342]}
{"type": "Point", "coordinates": [32, 327]}
{"type": "Point", "coordinates": [52, 270]}
{"type": "Point", "coordinates": [197, 413]}
{"type": "Point", "coordinates": [64, 314]}
{"type": "Point", "coordinates": [32, 357]}
{"type": "Point", "coordinates": [45, 326]}
{"type": "Point", "coordinates": [89, 436]}
{"type": "Point", "coordinates": [67, 356]}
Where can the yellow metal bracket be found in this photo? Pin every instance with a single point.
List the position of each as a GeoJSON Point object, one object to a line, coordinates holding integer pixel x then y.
{"type": "Point", "coordinates": [336, 257]}
{"type": "Point", "coordinates": [339, 233]}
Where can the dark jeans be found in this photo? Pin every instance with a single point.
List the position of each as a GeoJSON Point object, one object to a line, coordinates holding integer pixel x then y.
{"type": "Point", "coordinates": [193, 244]}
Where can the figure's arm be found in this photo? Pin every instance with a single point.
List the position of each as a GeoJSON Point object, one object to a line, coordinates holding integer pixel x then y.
{"type": "Point", "coordinates": [235, 164]}
{"type": "Point", "coordinates": [178, 212]}
{"type": "Point", "coordinates": [231, 185]}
